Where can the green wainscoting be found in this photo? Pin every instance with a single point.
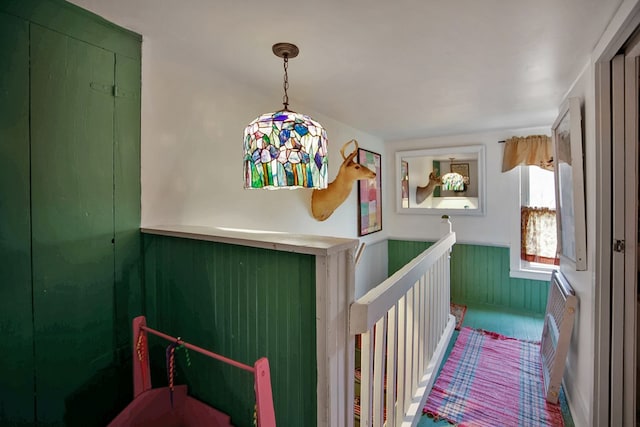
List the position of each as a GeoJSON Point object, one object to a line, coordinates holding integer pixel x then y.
{"type": "Point", "coordinates": [479, 274]}
{"type": "Point", "coordinates": [243, 303]}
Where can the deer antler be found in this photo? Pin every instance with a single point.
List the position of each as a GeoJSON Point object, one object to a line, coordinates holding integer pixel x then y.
{"type": "Point", "coordinates": [352, 154]}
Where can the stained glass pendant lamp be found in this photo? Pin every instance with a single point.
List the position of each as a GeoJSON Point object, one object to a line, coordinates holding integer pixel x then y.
{"type": "Point", "coordinates": [454, 181]}
{"type": "Point", "coordinates": [285, 149]}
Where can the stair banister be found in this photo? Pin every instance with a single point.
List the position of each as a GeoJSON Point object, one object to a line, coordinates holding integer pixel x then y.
{"type": "Point", "coordinates": [405, 327]}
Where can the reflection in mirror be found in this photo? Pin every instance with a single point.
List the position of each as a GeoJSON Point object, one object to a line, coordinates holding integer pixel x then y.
{"type": "Point", "coordinates": [441, 180]}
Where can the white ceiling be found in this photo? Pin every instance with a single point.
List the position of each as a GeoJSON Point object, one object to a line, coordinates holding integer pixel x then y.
{"type": "Point", "coordinates": [396, 69]}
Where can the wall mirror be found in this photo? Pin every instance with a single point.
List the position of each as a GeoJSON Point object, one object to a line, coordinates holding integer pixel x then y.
{"type": "Point", "coordinates": [447, 180]}
{"type": "Point", "coordinates": [570, 209]}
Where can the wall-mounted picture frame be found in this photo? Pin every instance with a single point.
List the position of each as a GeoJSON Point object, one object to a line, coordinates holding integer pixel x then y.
{"type": "Point", "coordinates": [569, 179]}
{"type": "Point", "coordinates": [370, 194]}
{"type": "Point", "coordinates": [461, 168]}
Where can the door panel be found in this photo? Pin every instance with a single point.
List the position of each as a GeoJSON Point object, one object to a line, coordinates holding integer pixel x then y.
{"type": "Point", "coordinates": [72, 216]}
{"type": "Point", "coordinates": [16, 327]}
{"type": "Point", "coordinates": [630, 217]}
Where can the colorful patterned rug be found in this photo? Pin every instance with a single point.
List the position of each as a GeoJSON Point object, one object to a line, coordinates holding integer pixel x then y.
{"type": "Point", "coordinates": [458, 310]}
{"type": "Point", "coordinates": [492, 380]}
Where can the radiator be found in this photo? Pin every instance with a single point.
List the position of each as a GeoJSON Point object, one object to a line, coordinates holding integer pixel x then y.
{"type": "Point", "coordinates": [556, 334]}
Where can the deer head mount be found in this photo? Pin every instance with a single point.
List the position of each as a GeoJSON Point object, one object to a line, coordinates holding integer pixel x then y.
{"type": "Point", "coordinates": [423, 192]}
{"type": "Point", "coordinates": [325, 202]}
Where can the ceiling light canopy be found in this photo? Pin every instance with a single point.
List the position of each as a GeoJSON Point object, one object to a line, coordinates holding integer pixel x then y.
{"type": "Point", "coordinates": [285, 149]}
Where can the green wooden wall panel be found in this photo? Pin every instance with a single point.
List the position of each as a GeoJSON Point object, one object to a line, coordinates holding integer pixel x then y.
{"type": "Point", "coordinates": [72, 214]}
{"type": "Point", "coordinates": [128, 245]}
{"type": "Point", "coordinates": [75, 22]}
{"type": "Point", "coordinates": [16, 326]}
{"type": "Point", "coordinates": [241, 302]}
{"type": "Point", "coordinates": [479, 274]}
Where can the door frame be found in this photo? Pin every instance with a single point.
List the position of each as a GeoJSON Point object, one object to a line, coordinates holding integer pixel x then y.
{"type": "Point", "coordinates": [621, 28]}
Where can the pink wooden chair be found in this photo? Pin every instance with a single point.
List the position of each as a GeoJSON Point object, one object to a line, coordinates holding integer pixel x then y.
{"type": "Point", "coordinates": [151, 407]}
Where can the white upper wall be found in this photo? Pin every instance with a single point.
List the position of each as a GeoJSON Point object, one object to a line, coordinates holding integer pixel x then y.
{"type": "Point", "coordinates": [192, 128]}
{"type": "Point", "coordinates": [579, 369]}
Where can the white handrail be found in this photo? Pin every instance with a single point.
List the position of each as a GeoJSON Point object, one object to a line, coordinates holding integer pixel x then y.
{"type": "Point", "coordinates": [369, 308]}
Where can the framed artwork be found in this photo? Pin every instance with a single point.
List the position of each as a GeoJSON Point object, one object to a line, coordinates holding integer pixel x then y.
{"type": "Point", "coordinates": [569, 178]}
{"type": "Point", "coordinates": [370, 194]}
{"type": "Point", "coordinates": [405, 184]}
{"type": "Point", "coordinates": [461, 168]}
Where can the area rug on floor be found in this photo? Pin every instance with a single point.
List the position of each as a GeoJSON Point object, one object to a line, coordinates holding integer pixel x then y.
{"type": "Point", "coordinates": [458, 310]}
{"type": "Point", "coordinates": [492, 380]}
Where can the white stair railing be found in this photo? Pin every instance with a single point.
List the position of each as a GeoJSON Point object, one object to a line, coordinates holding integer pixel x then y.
{"type": "Point", "coordinates": [405, 326]}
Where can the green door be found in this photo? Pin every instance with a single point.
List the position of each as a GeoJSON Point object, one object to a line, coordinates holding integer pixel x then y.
{"type": "Point", "coordinates": [16, 362]}
{"type": "Point", "coordinates": [72, 154]}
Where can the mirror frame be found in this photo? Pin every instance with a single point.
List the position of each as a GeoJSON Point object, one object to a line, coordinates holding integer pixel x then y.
{"type": "Point", "coordinates": [570, 199]}
{"type": "Point", "coordinates": [446, 152]}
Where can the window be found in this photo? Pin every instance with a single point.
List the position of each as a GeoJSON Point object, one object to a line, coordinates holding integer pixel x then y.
{"type": "Point", "coordinates": [534, 224]}
{"type": "Point", "coordinates": [537, 187]}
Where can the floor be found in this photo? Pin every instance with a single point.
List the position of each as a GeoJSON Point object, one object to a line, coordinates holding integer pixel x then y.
{"type": "Point", "coordinates": [510, 323]}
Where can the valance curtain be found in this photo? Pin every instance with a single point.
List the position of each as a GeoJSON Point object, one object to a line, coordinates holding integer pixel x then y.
{"type": "Point", "coordinates": [538, 235]}
{"type": "Point", "coordinates": [533, 150]}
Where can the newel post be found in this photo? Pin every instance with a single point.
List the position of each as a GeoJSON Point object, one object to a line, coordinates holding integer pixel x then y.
{"type": "Point", "coordinates": [445, 226]}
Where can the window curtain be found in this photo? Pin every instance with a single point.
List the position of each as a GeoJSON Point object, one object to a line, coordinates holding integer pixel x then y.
{"type": "Point", "coordinates": [533, 150]}
{"type": "Point", "coordinates": [538, 235]}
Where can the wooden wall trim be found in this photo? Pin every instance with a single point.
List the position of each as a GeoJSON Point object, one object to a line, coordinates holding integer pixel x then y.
{"type": "Point", "coordinates": [279, 241]}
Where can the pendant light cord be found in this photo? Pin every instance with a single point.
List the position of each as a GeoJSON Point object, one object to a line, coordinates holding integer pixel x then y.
{"type": "Point", "coordinates": [285, 85]}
